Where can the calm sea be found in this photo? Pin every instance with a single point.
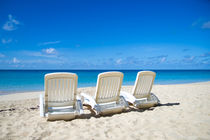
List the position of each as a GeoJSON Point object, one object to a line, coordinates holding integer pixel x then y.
{"type": "Point", "coordinates": [33, 80]}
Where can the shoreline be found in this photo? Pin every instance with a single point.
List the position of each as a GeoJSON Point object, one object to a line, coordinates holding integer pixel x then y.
{"type": "Point", "coordinates": [35, 94]}
{"type": "Point", "coordinates": [30, 91]}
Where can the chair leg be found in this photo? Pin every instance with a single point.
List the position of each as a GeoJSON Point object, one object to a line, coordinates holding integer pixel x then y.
{"type": "Point", "coordinates": [97, 108]}
{"type": "Point", "coordinates": [41, 105]}
{"type": "Point", "coordinates": [79, 107]}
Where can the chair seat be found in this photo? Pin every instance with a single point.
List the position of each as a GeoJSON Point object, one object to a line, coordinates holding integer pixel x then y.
{"type": "Point", "coordinates": [61, 113]}
{"type": "Point", "coordinates": [147, 102]}
{"type": "Point", "coordinates": [112, 107]}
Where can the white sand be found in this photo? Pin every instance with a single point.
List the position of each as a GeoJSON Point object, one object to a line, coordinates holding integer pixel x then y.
{"type": "Point", "coordinates": [184, 114]}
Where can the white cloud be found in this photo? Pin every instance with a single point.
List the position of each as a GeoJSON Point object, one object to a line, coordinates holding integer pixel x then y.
{"type": "Point", "coordinates": [48, 43]}
{"type": "Point", "coordinates": [198, 21]}
{"type": "Point", "coordinates": [163, 59]}
{"type": "Point", "coordinates": [205, 54]}
{"type": "Point", "coordinates": [199, 59]}
{"type": "Point", "coordinates": [189, 59]}
{"type": "Point", "coordinates": [206, 25]}
{"type": "Point", "coordinates": [2, 55]}
{"type": "Point", "coordinates": [119, 61]}
{"type": "Point", "coordinates": [160, 58]}
{"type": "Point", "coordinates": [4, 41]}
{"type": "Point", "coordinates": [11, 24]}
{"type": "Point", "coordinates": [15, 60]}
{"type": "Point", "coordinates": [49, 51]}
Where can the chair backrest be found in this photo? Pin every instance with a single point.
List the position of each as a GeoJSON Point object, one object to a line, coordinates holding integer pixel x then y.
{"type": "Point", "coordinates": [108, 87]}
{"type": "Point", "coordinates": [143, 84]}
{"type": "Point", "coordinates": [60, 89]}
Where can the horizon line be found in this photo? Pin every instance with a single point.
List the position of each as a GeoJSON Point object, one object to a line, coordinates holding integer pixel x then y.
{"type": "Point", "coordinates": [99, 69]}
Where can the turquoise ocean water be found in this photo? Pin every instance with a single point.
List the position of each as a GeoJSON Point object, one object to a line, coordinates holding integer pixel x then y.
{"type": "Point", "coordinates": [33, 80]}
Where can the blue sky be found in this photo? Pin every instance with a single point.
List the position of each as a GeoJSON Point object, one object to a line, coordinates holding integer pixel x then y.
{"type": "Point", "coordinates": [104, 34]}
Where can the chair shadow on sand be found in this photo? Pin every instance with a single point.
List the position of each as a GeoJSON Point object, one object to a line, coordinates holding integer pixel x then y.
{"type": "Point", "coordinates": [167, 104]}
{"type": "Point", "coordinates": [130, 109]}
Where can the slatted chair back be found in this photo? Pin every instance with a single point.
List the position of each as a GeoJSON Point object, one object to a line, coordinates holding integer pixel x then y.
{"type": "Point", "coordinates": [108, 87]}
{"type": "Point", "coordinates": [143, 84]}
{"type": "Point", "coordinates": [60, 89]}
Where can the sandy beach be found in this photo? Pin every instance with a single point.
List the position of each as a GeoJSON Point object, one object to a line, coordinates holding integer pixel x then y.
{"type": "Point", "coordinates": [183, 114]}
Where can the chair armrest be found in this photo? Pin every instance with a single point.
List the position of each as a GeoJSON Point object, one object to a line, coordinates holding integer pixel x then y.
{"type": "Point", "coordinates": [123, 101]}
{"type": "Point", "coordinates": [128, 97]}
{"type": "Point", "coordinates": [154, 98]}
{"type": "Point", "coordinates": [41, 105]}
{"type": "Point", "coordinates": [87, 99]}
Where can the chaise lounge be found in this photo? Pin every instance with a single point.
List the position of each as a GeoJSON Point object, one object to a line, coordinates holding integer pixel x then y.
{"type": "Point", "coordinates": [60, 100]}
{"type": "Point", "coordinates": [141, 96]}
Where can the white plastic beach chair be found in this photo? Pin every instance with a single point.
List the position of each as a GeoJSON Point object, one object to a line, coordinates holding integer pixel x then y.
{"type": "Point", "coordinates": [141, 95]}
{"type": "Point", "coordinates": [60, 101]}
{"type": "Point", "coordinates": [107, 96]}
